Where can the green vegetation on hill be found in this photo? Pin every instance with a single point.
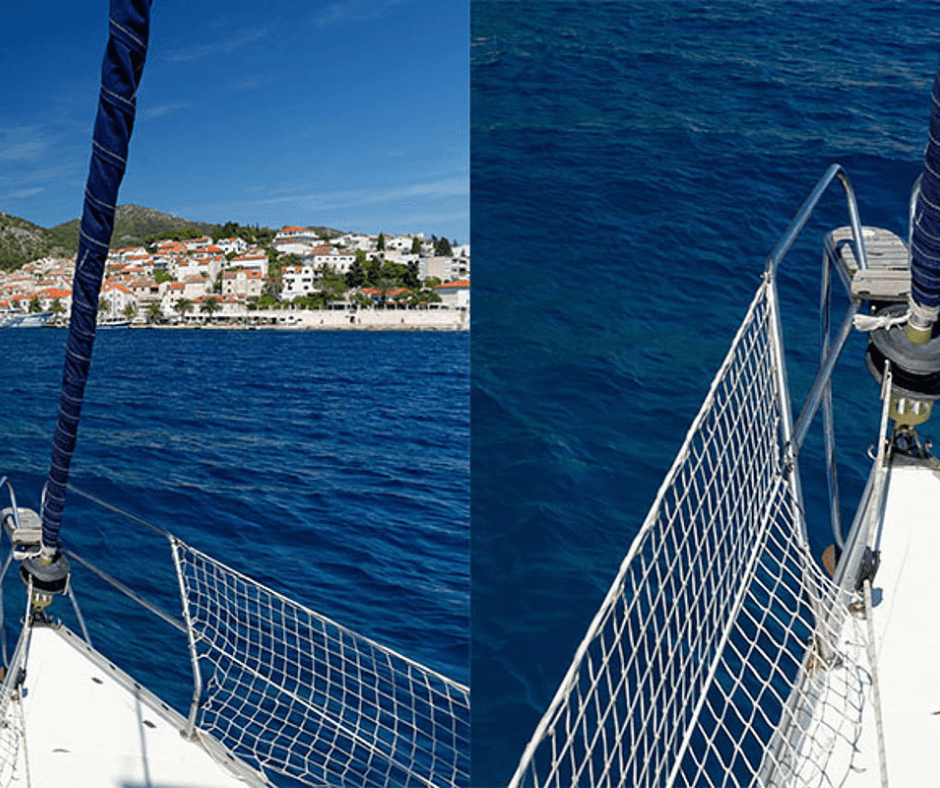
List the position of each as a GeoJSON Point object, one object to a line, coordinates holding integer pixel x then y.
{"type": "Point", "coordinates": [132, 225]}
{"type": "Point", "coordinates": [22, 241]}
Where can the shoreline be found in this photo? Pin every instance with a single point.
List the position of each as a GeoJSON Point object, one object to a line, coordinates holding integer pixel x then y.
{"type": "Point", "coordinates": [317, 320]}
{"type": "Point", "coordinates": [454, 329]}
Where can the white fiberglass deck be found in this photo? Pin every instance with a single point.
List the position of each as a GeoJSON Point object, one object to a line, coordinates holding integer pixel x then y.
{"type": "Point", "coordinates": [906, 615]}
{"type": "Point", "coordinates": [87, 724]}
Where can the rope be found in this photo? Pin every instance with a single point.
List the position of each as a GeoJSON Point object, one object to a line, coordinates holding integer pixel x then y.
{"type": "Point", "coordinates": [873, 322]}
{"type": "Point", "coordinates": [875, 686]}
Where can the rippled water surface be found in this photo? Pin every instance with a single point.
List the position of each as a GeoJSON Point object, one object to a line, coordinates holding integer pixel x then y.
{"type": "Point", "coordinates": [633, 165]}
{"type": "Point", "coordinates": [331, 466]}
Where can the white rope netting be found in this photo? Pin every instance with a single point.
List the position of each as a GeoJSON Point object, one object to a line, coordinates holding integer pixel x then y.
{"type": "Point", "coordinates": [11, 734]}
{"type": "Point", "coordinates": [721, 655]}
{"type": "Point", "coordinates": [293, 692]}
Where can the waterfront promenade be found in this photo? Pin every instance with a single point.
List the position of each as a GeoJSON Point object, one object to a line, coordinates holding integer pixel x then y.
{"type": "Point", "coordinates": [333, 320]}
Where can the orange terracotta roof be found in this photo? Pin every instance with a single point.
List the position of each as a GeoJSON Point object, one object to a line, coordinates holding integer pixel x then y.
{"type": "Point", "coordinates": [53, 292]}
{"type": "Point", "coordinates": [457, 283]}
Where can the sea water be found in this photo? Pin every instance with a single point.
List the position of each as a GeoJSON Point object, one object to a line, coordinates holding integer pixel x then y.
{"type": "Point", "coordinates": [331, 466]}
{"type": "Point", "coordinates": [633, 164]}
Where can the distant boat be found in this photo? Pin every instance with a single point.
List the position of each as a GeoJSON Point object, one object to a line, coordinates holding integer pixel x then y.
{"type": "Point", "coordinates": [12, 318]}
{"type": "Point", "coordinates": [112, 322]}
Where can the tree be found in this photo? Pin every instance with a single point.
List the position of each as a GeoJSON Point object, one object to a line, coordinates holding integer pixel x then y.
{"type": "Point", "coordinates": [372, 270]}
{"type": "Point", "coordinates": [332, 284]}
{"type": "Point", "coordinates": [432, 281]}
{"type": "Point", "coordinates": [381, 242]}
{"type": "Point", "coordinates": [154, 313]}
{"type": "Point", "coordinates": [161, 276]}
{"type": "Point", "coordinates": [57, 307]}
{"type": "Point", "coordinates": [410, 279]}
{"type": "Point", "coordinates": [442, 248]}
{"type": "Point", "coordinates": [34, 305]}
{"type": "Point", "coordinates": [416, 245]}
{"type": "Point", "coordinates": [210, 306]}
{"type": "Point", "coordinates": [361, 300]}
{"type": "Point", "coordinates": [130, 310]}
{"type": "Point", "coordinates": [356, 275]}
{"type": "Point", "coordinates": [385, 285]}
{"type": "Point", "coordinates": [184, 306]}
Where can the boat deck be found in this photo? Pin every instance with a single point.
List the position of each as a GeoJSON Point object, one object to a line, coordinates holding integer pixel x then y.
{"type": "Point", "coordinates": [906, 614]}
{"type": "Point", "coordinates": [86, 723]}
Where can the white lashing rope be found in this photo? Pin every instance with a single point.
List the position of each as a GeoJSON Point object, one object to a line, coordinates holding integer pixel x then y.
{"type": "Point", "coordinates": [874, 322]}
{"type": "Point", "coordinates": [875, 687]}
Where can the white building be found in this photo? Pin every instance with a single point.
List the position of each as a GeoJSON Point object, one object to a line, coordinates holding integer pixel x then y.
{"type": "Point", "coordinates": [444, 268]}
{"type": "Point", "coordinates": [353, 241]}
{"type": "Point", "coordinates": [251, 260]}
{"type": "Point", "coordinates": [229, 245]}
{"type": "Point", "coordinates": [297, 280]}
{"type": "Point", "coordinates": [400, 243]}
{"type": "Point", "coordinates": [290, 238]}
{"type": "Point", "coordinates": [208, 267]}
{"type": "Point", "coordinates": [197, 243]}
{"type": "Point", "coordinates": [242, 284]}
{"type": "Point", "coordinates": [49, 295]}
{"type": "Point", "coordinates": [117, 296]}
{"type": "Point", "coordinates": [195, 286]}
{"type": "Point", "coordinates": [456, 295]}
{"type": "Point", "coordinates": [173, 294]}
{"type": "Point", "coordinates": [322, 256]}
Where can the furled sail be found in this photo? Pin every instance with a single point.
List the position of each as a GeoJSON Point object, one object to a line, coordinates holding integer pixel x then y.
{"type": "Point", "coordinates": [925, 242]}
{"type": "Point", "coordinates": [129, 23]}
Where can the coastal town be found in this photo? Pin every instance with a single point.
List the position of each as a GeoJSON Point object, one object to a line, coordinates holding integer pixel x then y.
{"type": "Point", "coordinates": [302, 279]}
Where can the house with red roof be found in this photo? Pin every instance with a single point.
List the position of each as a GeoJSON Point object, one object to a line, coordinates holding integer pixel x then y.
{"type": "Point", "coordinates": [242, 284]}
{"type": "Point", "coordinates": [455, 294]}
{"type": "Point", "coordinates": [49, 295]}
{"type": "Point", "coordinates": [251, 260]}
{"type": "Point", "coordinates": [195, 286]}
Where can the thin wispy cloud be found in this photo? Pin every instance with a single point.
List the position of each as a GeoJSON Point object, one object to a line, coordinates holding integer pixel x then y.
{"type": "Point", "coordinates": [249, 83]}
{"type": "Point", "coordinates": [21, 151]}
{"type": "Point", "coordinates": [164, 110]}
{"type": "Point", "coordinates": [222, 44]}
{"type": "Point", "coordinates": [21, 143]}
{"type": "Point", "coordinates": [306, 202]}
{"type": "Point", "coordinates": [347, 11]}
{"type": "Point", "coordinates": [22, 194]}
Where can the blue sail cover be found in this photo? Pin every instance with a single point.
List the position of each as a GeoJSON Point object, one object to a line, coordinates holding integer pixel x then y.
{"type": "Point", "coordinates": [925, 243]}
{"type": "Point", "coordinates": [129, 24]}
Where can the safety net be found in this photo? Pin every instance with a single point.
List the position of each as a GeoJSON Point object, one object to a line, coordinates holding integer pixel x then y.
{"type": "Point", "coordinates": [293, 692]}
{"type": "Point", "coordinates": [721, 656]}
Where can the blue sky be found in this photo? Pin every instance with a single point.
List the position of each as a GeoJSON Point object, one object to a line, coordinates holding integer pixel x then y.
{"type": "Point", "coordinates": [352, 114]}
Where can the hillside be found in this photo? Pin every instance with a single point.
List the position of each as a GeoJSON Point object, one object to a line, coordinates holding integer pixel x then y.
{"type": "Point", "coordinates": [132, 223]}
{"type": "Point", "coordinates": [22, 241]}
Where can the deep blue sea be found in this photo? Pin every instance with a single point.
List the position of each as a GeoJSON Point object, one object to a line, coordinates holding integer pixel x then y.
{"type": "Point", "coordinates": [633, 164]}
{"type": "Point", "coordinates": [332, 466]}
